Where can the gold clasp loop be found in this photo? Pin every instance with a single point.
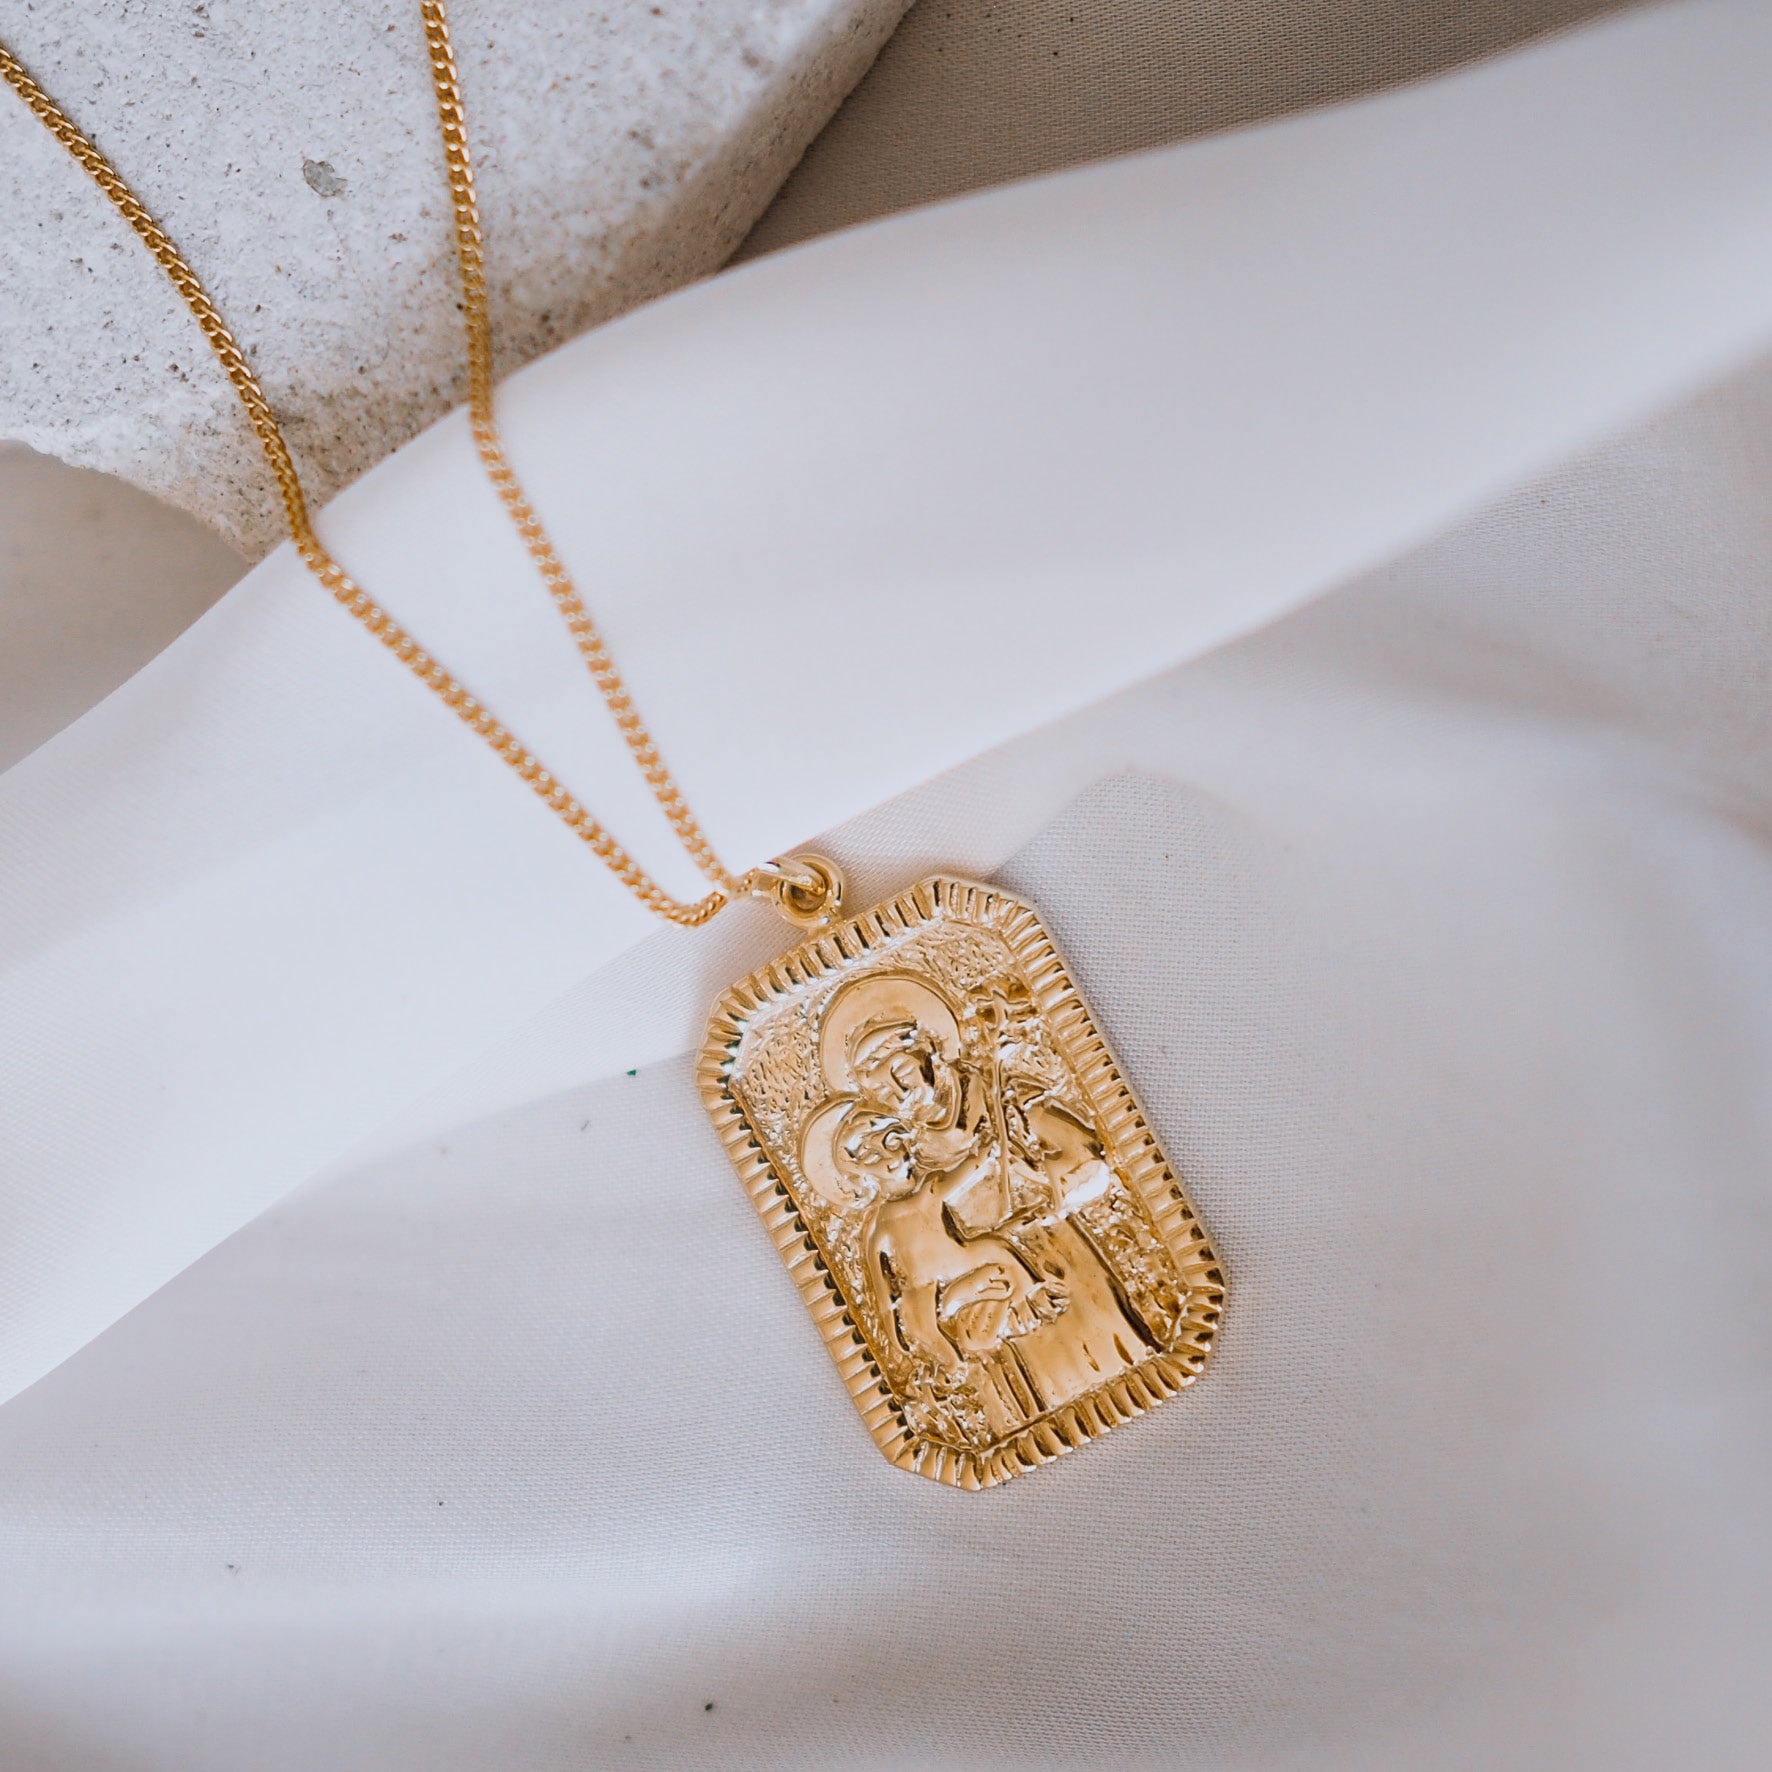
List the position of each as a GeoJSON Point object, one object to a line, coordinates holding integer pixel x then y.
{"type": "Point", "coordinates": [807, 889]}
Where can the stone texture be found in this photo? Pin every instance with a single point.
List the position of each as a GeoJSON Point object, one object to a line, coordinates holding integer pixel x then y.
{"type": "Point", "coordinates": [292, 152]}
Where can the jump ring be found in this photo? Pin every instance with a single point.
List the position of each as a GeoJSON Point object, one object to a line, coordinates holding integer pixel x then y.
{"type": "Point", "coordinates": [807, 889]}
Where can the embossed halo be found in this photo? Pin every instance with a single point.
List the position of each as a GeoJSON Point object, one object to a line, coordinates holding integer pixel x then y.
{"type": "Point", "coordinates": [881, 1000]}
{"type": "Point", "coordinates": [834, 1181]}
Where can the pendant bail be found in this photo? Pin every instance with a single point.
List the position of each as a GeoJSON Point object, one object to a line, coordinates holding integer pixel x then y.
{"type": "Point", "coordinates": [807, 889]}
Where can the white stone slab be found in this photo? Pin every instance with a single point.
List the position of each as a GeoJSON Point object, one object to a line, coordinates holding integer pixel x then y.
{"type": "Point", "coordinates": [292, 152]}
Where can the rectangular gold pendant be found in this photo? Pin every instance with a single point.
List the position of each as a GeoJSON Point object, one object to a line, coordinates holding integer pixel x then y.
{"type": "Point", "coordinates": [995, 1249]}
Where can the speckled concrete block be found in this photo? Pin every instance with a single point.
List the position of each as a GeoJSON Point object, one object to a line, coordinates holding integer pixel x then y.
{"type": "Point", "coordinates": [292, 151]}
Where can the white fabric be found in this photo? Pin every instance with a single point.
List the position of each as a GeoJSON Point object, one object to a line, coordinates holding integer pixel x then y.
{"type": "Point", "coordinates": [95, 579]}
{"type": "Point", "coordinates": [1432, 923]}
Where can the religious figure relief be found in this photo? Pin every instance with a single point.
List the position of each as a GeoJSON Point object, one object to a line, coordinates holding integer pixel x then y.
{"type": "Point", "coordinates": [1013, 1277]}
{"type": "Point", "coordinates": [972, 1171]}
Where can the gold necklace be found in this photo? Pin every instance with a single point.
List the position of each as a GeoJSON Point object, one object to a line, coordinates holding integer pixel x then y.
{"type": "Point", "coordinates": [936, 1136]}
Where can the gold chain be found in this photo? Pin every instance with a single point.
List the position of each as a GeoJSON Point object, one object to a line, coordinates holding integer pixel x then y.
{"type": "Point", "coordinates": [470, 254]}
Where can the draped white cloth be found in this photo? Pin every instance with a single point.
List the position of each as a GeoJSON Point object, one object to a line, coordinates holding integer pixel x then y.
{"type": "Point", "coordinates": [397, 1376]}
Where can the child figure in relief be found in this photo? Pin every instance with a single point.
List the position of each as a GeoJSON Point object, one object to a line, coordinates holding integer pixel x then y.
{"type": "Point", "coordinates": [972, 1167]}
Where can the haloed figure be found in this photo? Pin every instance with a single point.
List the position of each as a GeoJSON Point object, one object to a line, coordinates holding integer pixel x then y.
{"type": "Point", "coordinates": [971, 1256]}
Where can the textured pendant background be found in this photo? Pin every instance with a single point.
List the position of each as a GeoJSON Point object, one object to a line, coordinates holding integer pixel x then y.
{"type": "Point", "coordinates": [981, 1223]}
